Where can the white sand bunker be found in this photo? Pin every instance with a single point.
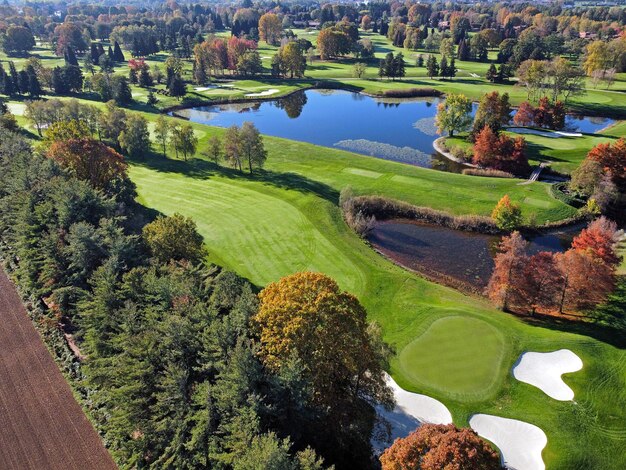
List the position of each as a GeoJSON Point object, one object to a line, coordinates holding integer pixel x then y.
{"type": "Point", "coordinates": [269, 92]}
{"type": "Point", "coordinates": [544, 370]}
{"type": "Point", "coordinates": [520, 443]}
{"type": "Point", "coordinates": [543, 133]}
{"type": "Point", "coordinates": [204, 88]}
{"type": "Point", "coordinates": [412, 410]}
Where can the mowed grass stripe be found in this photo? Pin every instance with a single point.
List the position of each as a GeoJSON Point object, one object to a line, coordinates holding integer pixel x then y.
{"type": "Point", "coordinates": [248, 230]}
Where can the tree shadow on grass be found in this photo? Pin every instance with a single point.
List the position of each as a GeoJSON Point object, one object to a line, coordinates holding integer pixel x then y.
{"type": "Point", "coordinates": [607, 322]}
{"type": "Point", "coordinates": [203, 169]}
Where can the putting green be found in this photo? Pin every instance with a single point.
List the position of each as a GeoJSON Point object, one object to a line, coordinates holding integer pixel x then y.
{"type": "Point", "coordinates": [458, 356]}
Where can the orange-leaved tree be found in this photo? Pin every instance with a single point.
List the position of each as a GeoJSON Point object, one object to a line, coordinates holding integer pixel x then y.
{"type": "Point", "coordinates": [600, 238]}
{"type": "Point", "coordinates": [306, 315]}
{"type": "Point", "coordinates": [503, 287]}
{"type": "Point", "coordinates": [507, 214]}
{"type": "Point", "coordinates": [440, 446]}
{"type": "Point", "coordinates": [612, 157]}
{"type": "Point", "coordinates": [89, 160]}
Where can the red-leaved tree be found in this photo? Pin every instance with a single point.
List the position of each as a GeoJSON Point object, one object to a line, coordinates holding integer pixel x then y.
{"type": "Point", "coordinates": [440, 446]}
{"type": "Point", "coordinates": [612, 157]}
{"type": "Point", "coordinates": [503, 287]}
{"type": "Point", "coordinates": [500, 152]}
{"type": "Point", "coordinates": [90, 160]}
{"type": "Point", "coordinates": [599, 238]}
{"type": "Point", "coordinates": [541, 283]}
{"type": "Point", "coordinates": [525, 115]}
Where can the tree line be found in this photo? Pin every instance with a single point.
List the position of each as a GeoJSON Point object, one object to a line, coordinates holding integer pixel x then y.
{"type": "Point", "coordinates": [580, 278]}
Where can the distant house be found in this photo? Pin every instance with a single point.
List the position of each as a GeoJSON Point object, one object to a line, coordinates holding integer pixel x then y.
{"type": "Point", "coordinates": [587, 35]}
{"type": "Point", "coordinates": [443, 25]}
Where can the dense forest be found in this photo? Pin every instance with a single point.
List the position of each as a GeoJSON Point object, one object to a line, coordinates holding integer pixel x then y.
{"type": "Point", "coordinates": [172, 374]}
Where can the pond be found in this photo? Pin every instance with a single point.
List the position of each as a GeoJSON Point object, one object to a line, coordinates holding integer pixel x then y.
{"type": "Point", "coordinates": [464, 257]}
{"type": "Point", "coordinates": [394, 129]}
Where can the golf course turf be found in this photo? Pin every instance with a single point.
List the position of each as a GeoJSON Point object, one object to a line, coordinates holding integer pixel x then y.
{"type": "Point", "coordinates": [457, 356]}
{"type": "Point", "coordinates": [286, 219]}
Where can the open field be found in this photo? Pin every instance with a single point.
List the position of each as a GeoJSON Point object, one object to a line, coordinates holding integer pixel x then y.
{"type": "Point", "coordinates": [42, 424]}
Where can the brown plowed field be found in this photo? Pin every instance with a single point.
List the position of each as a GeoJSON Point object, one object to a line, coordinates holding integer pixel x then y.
{"type": "Point", "coordinates": [42, 426]}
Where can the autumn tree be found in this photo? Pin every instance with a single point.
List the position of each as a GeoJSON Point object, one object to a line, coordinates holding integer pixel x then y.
{"type": "Point", "coordinates": [502, 289]}
{"type": "Point", "coordinates": [290, 59]}
{"type": "Point", "coordinates": [599, 238]}
{"type": "Point", "coordinates": [494, 110]}
{"type": "Point", "coordinates": [89, 160]}
{"type": "Point", "coordinates": [507, 214]}
{"type": "Point", "coordinates": [232, 147]}
{"type": "Point", "coordinates": [500, 152]}
{"type": "Point", "coordinates": [174, 238]}
{"type": "Point", "coordinates": [540, 284]}
{"type": "Point", "coordinates": [306, 315]}
{"type": "Point", "coordinates": [440, 446]}
{"type": "Point", "coordinates": [69, 34]}
{"type": "Point", "coordinates": [525, 115]}
{"type": "Point", "coordinates": [215, 149]}
{"type": "Point", "coordinates": [454, 114]}
{"type": "Point", "coordinates": [612, 157]}
{"type": "Point", "coordinates": [17, 40]}
{"type": "Point", "coordinates": [586, 280]}
{"type": "Point", "coordinates": [270, 28]}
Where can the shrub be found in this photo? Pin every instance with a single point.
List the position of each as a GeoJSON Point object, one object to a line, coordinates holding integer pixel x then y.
{"type": "Point", "coordinates": [460, 154]}
{"type": "Point", "coordinates": [561, 192]}
{"type": "Point", "coordinates": [487, 172]}
{"type": "Point", "coordinates": [412, 93]}
{"type": "Point", "coordinates": [383, 208]}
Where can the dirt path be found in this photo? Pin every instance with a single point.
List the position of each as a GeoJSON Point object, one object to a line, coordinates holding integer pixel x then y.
{"type": "Point", "coordinates": [42, 426]}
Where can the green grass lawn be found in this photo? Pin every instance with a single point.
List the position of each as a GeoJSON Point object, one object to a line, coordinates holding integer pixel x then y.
{"type": "Point", "coordinates": [457, 357]}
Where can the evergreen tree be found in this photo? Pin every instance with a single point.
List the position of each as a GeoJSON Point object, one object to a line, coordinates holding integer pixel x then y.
{"type": "Point", "coordinates": [59, 85]}
{"type": "Point", "coordinates": [34, 87]}
{"type": "Point", "coordinates": [503, 73]}
{"type": "Point", "coordinates": [118, 55]}
{"type": "Point", "coordinates": [452, 68]}
{"type": "Point", "coordinates": [463, 50]}
{"type": "Point", "coordinates": [121, 91]}
{"type": "Point", "coordinates": [94, 53]}
{"type": "Point", "coordinates": [432, 66]}
{"type": "Point", "coordinates": [14, 77]}
{"type": "Point", "coordinates": [399, 66]}
{"type": "Point", "coordinates": [444, 68]}
{"type": "Point", "coordinates": [88, 64]}
{"type": "Point", "coordinates": [152, 99]}
{"type": "Point", "coordinates": [110, 54]}
{"type": "Point", "coordinates": [23, 82]}
{"type": "Point", "coordinates": [492, 73]}
{"type": "Point", "coordinates": [70, 57]}
{"type": "Point", "coordinates": [145, 79]}
{"type": "Point", "coordinates": [176, 87]}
